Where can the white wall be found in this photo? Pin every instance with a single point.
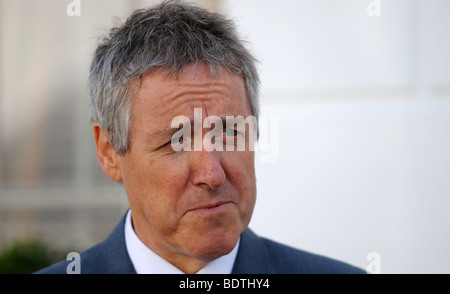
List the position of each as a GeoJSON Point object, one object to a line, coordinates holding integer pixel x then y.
{"type": "Point", "coordinates": [364, 144]}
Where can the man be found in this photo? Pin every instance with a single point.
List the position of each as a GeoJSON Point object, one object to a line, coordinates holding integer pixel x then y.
{"type": "Point", "coordinates": [190, 206]}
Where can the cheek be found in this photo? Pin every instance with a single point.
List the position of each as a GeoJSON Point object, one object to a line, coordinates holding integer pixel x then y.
{"type": "Point", "coordinates": [154, 186]}
{"type": "Point", "coordinates": [239, 168]}
{"type": "Point", "coordinates": [240, 164]}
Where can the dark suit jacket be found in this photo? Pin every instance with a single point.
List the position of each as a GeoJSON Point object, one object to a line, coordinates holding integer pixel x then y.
{"type": "Point", "coordinates": [256, 255]}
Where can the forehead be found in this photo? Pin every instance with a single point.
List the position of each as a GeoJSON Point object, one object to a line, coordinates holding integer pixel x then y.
{"type": "Point", "coordinates": [160, 96]}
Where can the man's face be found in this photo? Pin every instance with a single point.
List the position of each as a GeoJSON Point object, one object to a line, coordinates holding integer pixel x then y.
{"type": "Point", "coordinates": [187, 205]}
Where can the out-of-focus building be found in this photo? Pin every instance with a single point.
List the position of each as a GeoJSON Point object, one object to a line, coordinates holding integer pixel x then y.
{"type": "Point", "coordinates": [51, 185]}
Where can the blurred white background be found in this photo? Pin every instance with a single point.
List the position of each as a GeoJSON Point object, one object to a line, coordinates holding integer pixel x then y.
{"type": "Point", "coordinates": [362, 99]}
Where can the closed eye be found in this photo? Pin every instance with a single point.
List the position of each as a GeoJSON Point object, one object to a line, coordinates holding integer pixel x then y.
{"type": "Point", "coordinates": [173, 141]}
{"type": "Point", "coordinates": [231, 133]}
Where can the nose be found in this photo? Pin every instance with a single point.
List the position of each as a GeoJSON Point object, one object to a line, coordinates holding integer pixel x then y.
{"type": "Point", "coordinates": [207, 171]}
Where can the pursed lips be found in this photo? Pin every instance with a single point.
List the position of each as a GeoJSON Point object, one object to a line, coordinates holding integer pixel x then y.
{"type": "Point", "coordinates": [211, 207]}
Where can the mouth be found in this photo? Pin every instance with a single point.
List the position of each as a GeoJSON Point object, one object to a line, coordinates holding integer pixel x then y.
{"type": "Point", "coordinates": [211, 208]}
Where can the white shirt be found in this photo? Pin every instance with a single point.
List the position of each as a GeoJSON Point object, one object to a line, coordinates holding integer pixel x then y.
{"type": "Point", "coordinates": [145, 261]}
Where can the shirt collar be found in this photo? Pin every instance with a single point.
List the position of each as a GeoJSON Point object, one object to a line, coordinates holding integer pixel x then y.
{"type": "Point", "coordinates": [145, 261]}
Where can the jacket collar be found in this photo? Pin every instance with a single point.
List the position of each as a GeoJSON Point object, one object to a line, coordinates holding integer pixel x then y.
{"type": "Point", "coordinates": [252, 257]}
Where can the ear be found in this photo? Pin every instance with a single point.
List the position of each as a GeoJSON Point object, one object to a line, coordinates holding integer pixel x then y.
{"type": "Point", "coordinates": [107, 156]}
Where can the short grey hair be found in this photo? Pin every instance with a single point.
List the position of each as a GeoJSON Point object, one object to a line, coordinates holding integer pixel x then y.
{"type": "Point", "coordinates": [168, 36]}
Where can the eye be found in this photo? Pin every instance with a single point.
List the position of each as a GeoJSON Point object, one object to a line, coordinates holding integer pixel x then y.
{"type": "Point", "coordinates": [230, 133]}
{"type": "Point", "coordinates": [173, 142]}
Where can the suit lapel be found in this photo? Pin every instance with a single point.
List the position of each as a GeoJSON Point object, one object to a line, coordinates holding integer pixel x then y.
{"type": "Point", "coordinates": [252, 257]}
{"type": "Point", "coordinates": [114, 252]}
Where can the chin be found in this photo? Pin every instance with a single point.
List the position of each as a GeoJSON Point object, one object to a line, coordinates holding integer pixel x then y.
{"type": "Point", "coordinates": [215, 243]}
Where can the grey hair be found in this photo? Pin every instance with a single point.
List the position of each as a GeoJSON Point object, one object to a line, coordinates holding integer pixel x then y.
{"type": "Point", "coordinates": [168, 36]}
